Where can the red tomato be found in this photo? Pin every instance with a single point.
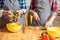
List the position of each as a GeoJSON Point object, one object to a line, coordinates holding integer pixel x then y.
{"type": "Point", "coordinates": [51, 38]}
{"type": "Point", "coordinates": [45, 37]}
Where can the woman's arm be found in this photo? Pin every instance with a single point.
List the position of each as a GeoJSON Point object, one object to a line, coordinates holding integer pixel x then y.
{"type": "Point", "coordinates": [48, 23]}
{"type": "Point", "coordinates": [54, 13]}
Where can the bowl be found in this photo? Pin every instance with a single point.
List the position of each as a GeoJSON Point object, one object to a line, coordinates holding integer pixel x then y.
{"type": "Point", "coordinates": [14, 27]}
{"type": "Point", "coordinates": [53, 31]}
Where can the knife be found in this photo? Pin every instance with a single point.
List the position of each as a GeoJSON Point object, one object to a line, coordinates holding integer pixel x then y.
{"type": "Point", "coordinates": [39, 22]}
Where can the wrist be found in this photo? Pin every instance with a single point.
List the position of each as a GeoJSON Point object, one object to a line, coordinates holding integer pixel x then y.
{"type": "Point", "coordinates": [22, 11]}
{"type": "Point", "coordinates": [50, 22]}
{"type": "Point", "coordinates": [1, 13]}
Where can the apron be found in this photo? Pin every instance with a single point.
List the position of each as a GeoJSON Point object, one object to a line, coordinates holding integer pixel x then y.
{"type": "Point", "coordinates": [12, 5]}
{"type": "Point", "coordinates": [43, 9]}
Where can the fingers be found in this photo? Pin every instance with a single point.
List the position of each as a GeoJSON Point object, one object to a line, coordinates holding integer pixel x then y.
{"type": "Point", "coordinates": [20, 12]}
{"type": "Point", "coordinates": [47, 24]}
{"type": "Point", "coordinates": [31, 12]}
{"type": "Point", "coordinates": [5, 12]}
{"type": "Point", "coordinates": [36, 17]}
{"type": "Point", "coordinates": [10, 14]}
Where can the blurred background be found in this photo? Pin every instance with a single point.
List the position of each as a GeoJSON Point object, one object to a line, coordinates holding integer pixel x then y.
{"type": "Point", "coordinates": [57, 20]}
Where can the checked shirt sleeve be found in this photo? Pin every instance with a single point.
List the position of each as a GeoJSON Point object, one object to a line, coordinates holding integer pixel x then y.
{"type": "Point", "coordinates": [54, 7]}
{"type": "Point", "coordinates": [22, 4]}
{"type": "Point", "coordinates": [1, 3]}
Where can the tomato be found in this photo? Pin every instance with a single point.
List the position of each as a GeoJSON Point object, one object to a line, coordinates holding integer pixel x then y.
{"type": "Point", "coordinates": [45, 36]}
{"type": "Point", "coordinates": [51, 38]}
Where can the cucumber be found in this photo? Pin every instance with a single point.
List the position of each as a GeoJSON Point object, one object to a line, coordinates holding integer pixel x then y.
{"type": "Point", "coordinates": [43, 28]}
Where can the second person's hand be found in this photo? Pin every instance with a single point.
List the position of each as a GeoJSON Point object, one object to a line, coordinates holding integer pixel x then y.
{"type": "Point", "coordinates": [20, 12]}
{"type": "Point", "coordinates": [35, 15]}
{"type": "Point", "coordinates": [48, 24]}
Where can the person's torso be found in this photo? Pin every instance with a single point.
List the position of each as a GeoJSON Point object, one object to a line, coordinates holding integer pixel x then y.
{"type": "Point", "coordinates": [11, 5]}
{"type": "Point", "coordinates": [43, 8]}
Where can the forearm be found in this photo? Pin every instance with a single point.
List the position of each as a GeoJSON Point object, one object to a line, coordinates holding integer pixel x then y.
{"type": "Point", "coordinates": [48, 23]}
{"type": "Point", "coordinates": [24, 10]}
{"type": "Point", "coordinates": [21, 12]}
{"type": "Point", "coordinates": [53, 17]}
{"type": "Point", "coordinates": [1, 13]}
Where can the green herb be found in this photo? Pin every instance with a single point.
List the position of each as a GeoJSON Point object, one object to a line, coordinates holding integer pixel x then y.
{"type": "Point", "coordinates": [42, 28]}
{"type": "Point", "coordinates": [15, 17]}
{"type": "Point", "coordinates": [11, 20]}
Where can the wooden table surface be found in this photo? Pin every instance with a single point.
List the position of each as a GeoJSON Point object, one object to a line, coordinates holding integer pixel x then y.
{"type": "Point", "coordinates": [27, 34]}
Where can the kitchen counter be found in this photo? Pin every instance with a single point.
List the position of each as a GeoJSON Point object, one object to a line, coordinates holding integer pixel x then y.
{"type": "Point", "coordinates": [26, 34]}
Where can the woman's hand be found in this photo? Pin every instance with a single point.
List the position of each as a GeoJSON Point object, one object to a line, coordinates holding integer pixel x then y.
{"type": "Point", "coordinates": [20, 12]}
{"type": "Point", "coordinates": [4, 12]}
{"type": "Point", "coordinates": [48, 24]}
{"type": "Point", "coordinates": [35, 15]}
{"type": "Point", "coordinates": [7, 13]}
{"type": "Point", "coordinates": [10, 14]}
